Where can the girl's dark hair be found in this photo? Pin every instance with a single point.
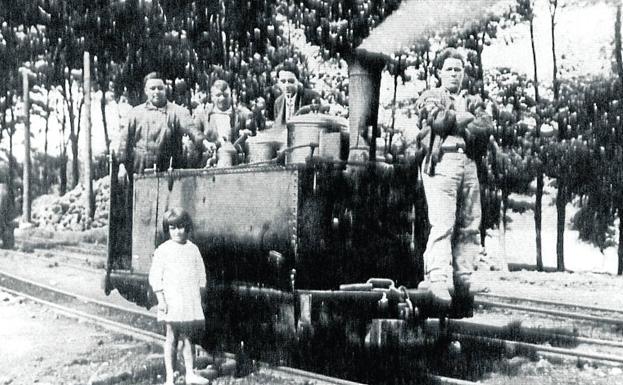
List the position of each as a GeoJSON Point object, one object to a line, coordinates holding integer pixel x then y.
{"type": "Point", "coordinates": [176, 216]}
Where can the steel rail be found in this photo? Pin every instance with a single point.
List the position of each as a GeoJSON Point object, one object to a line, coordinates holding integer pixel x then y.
{"type": "Point", "coordinates": [151, 337]}
{"type": "Point", "coordinates": [51, 253]}
{"type": "Point", "coordinates": [552, 303]}
{"type": "Point", "coordinates": [72, 255]}
{"type": "Point", "coordinates": [541, 348]}
{"type": "Point", "coordinates": [464, 330]}
{"type": "Point", "coordinates": [488, 330]}
{"type": "Point", "coordinates": [64, 264]}
{"type": "Point", "coordinates": [77, 249]}
{"type": "Point", "coordinates": [558, 313]}
{"type": "Point", "coordinates": [115, 326]}
{"type": "Point", "coordinates": [77, 296]}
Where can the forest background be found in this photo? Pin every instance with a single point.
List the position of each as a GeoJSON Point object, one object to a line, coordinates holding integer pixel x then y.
{"type": "Point", "coordinates": [553, 69]}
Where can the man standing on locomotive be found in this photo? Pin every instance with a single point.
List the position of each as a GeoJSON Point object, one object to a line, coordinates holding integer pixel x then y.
{"type": "Point", "coordinates": [224, 124]}
{"type": "Point", "coordinates": [154, 130]}
{"type": "Point", "coordinates": [454, 131]}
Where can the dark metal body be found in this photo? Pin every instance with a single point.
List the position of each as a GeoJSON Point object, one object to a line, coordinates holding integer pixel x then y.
{"type": "Point", "coordinates": [273, 236]}
{"type": "Point", "coordinates": [333, 226]}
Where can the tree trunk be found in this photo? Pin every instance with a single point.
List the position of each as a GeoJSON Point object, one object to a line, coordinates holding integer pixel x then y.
{"type": "Point", "coordinates": [537, 220]}
{"type": "Point", "coordinates": [63, 172]}
{"type": "Point", "coordinates": [561, 200]}
{"type": "Point", "coordinates": [104, 122]}
{"type": "Point", "coordinates": [26, 175]}
{"type": "Point", "coordinates": [620, 248]}
{"type": "Point", "coordinates": [88, 169]}
{"type": "Point", "coordinates": [618, 54]}
{"type": "Point", "coordinates": [11, 165]}
{"type": "Point", "coordinates": [63, 166]}
{"type": "Point", "coordinates": [104, 88]}
{"type": "Point", "coordinates": [75, 164]}
{"type": "Point", "coordinates": [45, 145]}
{"type": "Point", "coordinates": [536, 77]}
{"type": "Point", "coordinates": [72, 132]}
{"type": "Point", "coordinates": [539, 176]}
{"type": "Point", "coordinates": [555, 69]}
{"type": "Point", "coordinates": [561, 203]}
{"type": "Point", "coordinates": [88, 162]}
{"type": "Point", "coordinates": [74, 136]}
{"type": "Point", "coordinates": [502, 229]}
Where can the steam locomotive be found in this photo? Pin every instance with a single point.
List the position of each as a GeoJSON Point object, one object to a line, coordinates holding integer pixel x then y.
{"type": "Point", "coordinates": [290, 248]}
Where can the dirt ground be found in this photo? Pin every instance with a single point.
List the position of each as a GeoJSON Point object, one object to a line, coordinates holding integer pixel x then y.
{"type": "Point", "coordinates": [38, 346]}
{"type": "Point", "coordinates": [42, 347]}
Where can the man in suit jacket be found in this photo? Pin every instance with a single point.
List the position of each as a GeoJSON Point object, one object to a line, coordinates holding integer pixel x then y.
{"type": "Point", "coordinates": [292, 96]}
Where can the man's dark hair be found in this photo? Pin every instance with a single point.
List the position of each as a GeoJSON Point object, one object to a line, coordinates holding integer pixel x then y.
{"type": "Point", "coordinates": [448, 53]}
{"type": "Point", "coordinates": [152, 75]}
{"type": "Point", "coordinates": [290, 67]}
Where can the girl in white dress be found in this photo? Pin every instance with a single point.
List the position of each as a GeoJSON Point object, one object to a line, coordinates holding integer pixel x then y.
{"type": "Point", "coordinates": [177, 273]}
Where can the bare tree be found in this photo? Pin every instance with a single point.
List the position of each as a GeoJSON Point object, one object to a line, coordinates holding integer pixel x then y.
{"type": "Point", "coordinates": [561, 196]}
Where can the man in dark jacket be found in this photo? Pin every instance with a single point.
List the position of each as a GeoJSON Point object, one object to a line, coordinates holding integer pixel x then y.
{"type": "Point", "coordinates": [292, 96]}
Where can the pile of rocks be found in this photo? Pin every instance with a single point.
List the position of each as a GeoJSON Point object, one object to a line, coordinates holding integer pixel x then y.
{"type": "Point", "coordinates": [68, 212]}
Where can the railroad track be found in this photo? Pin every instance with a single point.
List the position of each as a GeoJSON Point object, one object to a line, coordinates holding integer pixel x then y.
{"type": "Point", "coordinates": [515, 339]}
{"type": "Point", "coordinates": [90, 258]}
{"type": "Point", "coordinates": [115, 318]}
{"type": "Point", "coordinates": [58, 259]}
{"type": "Point", "coordinates": [567, 310]}
{"type": "Point", "coordinates": [50, 244]}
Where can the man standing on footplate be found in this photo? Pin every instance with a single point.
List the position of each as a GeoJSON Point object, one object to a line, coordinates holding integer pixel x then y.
{"type": "Point", "coordinates": [454, 130]}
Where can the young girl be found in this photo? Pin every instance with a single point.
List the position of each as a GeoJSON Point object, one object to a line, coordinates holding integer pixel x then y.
{"type": "Point", "coordinates": [177, 273]}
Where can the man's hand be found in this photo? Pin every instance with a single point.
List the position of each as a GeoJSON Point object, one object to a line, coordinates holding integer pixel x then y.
{"type": "Point", "coordinates": [463, 119]}
{"type": "Point", "coordinates": [444, 123]}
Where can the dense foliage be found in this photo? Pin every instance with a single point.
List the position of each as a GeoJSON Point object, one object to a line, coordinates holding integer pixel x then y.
{"type": "Point", "coordinates": [574, 138]}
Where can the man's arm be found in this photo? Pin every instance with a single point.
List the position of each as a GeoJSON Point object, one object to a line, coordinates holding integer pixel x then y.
{"type": "Point", "coordinates": [482, 122]}
{"type": "Point", "coordinates": [126, 144]}
{"type": "Point", "coordinates": [187, 126]}
{"type": "Point", "coordinates": [126, 138]}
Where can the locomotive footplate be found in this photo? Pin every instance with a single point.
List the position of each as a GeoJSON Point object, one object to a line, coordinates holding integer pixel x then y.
{"type": "Point", "coordinates": [391, 313]}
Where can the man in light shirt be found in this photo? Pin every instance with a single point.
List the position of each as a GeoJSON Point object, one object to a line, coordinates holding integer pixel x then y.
{"type": "Point", "coordinates": [454, 126]}
{"type": "Point", "coordinates": [221, 122]}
